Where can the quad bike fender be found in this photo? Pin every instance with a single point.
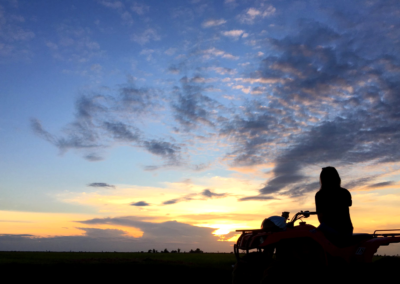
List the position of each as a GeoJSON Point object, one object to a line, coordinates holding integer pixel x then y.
{"type": "Point", "coordinates": [313, 234]}
{"type": "Point", "coordinates": [367, 249]}
{"type": "Point", "coordinates": [344, 253]}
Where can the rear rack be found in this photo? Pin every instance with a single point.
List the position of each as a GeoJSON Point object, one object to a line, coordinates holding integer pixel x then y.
{"type": "Point", "coordinates": [386, 234]}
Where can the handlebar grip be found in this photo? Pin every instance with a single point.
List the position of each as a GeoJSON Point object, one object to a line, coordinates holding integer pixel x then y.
{"type": "Point", "coordinates": [313, 213]}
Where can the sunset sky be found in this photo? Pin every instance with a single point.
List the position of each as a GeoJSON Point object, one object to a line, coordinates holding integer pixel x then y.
{"type": "Point", "coordinates": [133, 125]}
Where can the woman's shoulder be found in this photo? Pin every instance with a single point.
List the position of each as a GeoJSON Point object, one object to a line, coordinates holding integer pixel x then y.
{"type": "Point", "coordinates": [334, 192]}
{"type": "Point", "coordinates": [345, 191]}
{"type": "Point", "coordinates": [321, 194]}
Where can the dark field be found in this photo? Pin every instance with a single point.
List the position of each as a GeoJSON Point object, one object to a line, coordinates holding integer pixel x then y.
{"type": "Point", "coordinates": [134, 267]}
{"type": "Point", "coordinates": [158, 268]}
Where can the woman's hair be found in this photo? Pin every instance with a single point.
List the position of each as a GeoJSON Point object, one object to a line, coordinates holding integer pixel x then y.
{"type": "Point", "coordinates": [329, 178]}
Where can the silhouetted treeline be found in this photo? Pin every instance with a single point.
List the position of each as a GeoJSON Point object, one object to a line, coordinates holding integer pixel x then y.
{"type": "Point", "coordinates": [174, 251]}
{"type": "Point", "coordinates": [163, 251]}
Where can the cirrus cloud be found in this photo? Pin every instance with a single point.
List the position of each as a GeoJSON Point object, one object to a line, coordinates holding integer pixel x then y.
{"type": "Point", "coordinates": [213, 23]}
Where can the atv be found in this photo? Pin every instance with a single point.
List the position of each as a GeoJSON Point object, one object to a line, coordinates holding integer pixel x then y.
{"type": "Point", "coordinates": [269, 252]}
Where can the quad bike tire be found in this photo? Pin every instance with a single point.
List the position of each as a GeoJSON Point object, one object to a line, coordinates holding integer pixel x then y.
{"type": "Point", "coordinates": [292, 255]}
{"type": "Point", "coordinates": [301, 250]}
{"type": "Point", "coordinates": [250, 268]}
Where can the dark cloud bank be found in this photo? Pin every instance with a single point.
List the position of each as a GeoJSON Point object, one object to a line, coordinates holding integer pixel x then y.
{"type": "Point", "coordinates": [170, 235]}
{"type": "Point", "coordinates": [339, 82]}
{"type": "Point", "coordinates": [327, 94]}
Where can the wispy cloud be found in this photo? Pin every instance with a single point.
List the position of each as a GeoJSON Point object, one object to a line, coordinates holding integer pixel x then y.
{"type": "Point", "coordinates": [204, 195]}
{"type": "Point", "coordinates": [101, 121]}
{"type": "Point", "coordinates": [140, 203]}
{"type": "Point", "coordinates": [166, 150]}
{"type": "Point", "coordinates": [140, 8]}
{"type": "Point", "coordinates": [381, 184]}
{"type": "Point", "coordinates": [222, 70]}
{"type": "Point", "coordinates": [233, 33]}
{"type": "Point", "coordinates": [192, 109]}
{"type": "Point", "coordinates": [251, 14]}
{"type": "Point", "coordinates": [170, 51]}
{"type": "Point", "coordinates": [74, 44]}
{"type": "Point", "coordinates": [111, 4]}
{"type": "Point", "coordinates": [210, 194]}
{"type": "Point", "coordinates": [256, 198]}
{"type": "Point", "coordinates": [146, 36]}
{"type": "Point", "coordinates": [213, 23]}
{"type": "Point", "coordinates": [101, 184]}
{"type": "Point", "coordinates": [172, 201]}
{"type": "Point", "coordinates": [15, 33]}
{"type": "Point", "coordinates": [120, 8]}
{"type": "Point", "coordinates": [214, 52]}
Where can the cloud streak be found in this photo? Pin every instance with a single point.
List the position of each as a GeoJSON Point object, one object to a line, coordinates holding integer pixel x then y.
{"type": "Point", "coordinates": [256, 198]}
{"type": "Point", "coordinates": [101, 184]}
{"type": "Point", "coordinates": [204, 195]}
{"type": "Point", "coordinates": [140, 203]}
{"type": "Point", "coordinates": [213, 23]}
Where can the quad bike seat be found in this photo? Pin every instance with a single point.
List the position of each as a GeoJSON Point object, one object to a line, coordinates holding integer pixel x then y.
{"type": "Point", "coordinates": [361, 236]}
{"type": "Point", "coordinates": [353, 240]}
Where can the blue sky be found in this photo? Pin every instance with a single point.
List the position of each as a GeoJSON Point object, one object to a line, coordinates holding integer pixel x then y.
{"type": "Point", "coordinates": [194, 111]}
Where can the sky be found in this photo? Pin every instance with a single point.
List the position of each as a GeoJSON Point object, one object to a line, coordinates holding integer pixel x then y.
{"type": "Point", "coordinates": [133, 125]}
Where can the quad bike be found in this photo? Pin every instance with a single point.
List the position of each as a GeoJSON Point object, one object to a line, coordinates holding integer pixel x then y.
{"type": "Point", "coordinates": [270, 252]}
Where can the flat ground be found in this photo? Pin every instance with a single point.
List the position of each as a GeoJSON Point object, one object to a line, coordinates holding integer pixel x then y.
{"type": "Point", "coordinates": [143, 267]}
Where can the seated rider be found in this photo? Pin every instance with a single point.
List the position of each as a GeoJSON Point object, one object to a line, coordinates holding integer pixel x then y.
{"type": "Point", "coordinates": [332, 203]}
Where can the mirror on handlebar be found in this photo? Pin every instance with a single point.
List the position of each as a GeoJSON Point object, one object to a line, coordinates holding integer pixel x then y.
{"type": "Point", "coordinates": [307, 214]}
{"type": "Point", "coordinates": [285, 215]}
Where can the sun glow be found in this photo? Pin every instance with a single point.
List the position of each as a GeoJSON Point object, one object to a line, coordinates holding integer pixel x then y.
{"type": "Point", "coordinates": [221, 231]}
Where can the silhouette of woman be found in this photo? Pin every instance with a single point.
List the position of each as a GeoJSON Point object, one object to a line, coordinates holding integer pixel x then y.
{"type": "Point", "coordinates": [332, 204]}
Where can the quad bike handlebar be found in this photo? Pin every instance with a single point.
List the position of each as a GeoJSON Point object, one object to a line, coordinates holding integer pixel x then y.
{"type": "Point", "coordinates": [300, 215]}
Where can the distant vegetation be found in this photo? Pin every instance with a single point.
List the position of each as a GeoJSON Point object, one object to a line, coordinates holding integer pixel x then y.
{"type": "Point", "coordinates": [174, 251]}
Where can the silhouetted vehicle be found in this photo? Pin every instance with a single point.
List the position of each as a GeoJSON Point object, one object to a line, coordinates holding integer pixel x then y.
{"type": "Point", "coordinates": [276, 252]}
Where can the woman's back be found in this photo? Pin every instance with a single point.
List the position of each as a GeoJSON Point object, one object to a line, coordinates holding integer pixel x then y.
{"type": "Point", "coordinates": [333, 208]}
{"type": "Point", "coordinates": [332, 203]}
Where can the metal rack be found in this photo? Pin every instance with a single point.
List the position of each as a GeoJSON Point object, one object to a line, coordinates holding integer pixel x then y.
{"type": "Point", "coordinates": [375, 235]}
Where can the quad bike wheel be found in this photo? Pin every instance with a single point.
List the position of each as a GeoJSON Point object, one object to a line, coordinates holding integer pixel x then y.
{"type": "Point", "coordinates": [303, 251]}
{"type": "Point", "coordinates": [292, 256]}
{"type": "Point", "coordinates": [250, 268]}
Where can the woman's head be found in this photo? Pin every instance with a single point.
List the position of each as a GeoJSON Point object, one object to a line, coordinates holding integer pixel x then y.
{"type": "Point", "coordinates": [329, 178]}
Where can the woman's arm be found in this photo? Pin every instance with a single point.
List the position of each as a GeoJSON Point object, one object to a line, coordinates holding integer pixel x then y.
{"type": "Point", "coordinates": [320, 217]}
{"type": "Point", "coordinates": [318, 209]}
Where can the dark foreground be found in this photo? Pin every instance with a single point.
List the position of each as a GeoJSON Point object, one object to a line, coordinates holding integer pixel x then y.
{"type": "Point", "coordinates": [169, 268]}
{"type": "Point", "coordinates": [132, 267]}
